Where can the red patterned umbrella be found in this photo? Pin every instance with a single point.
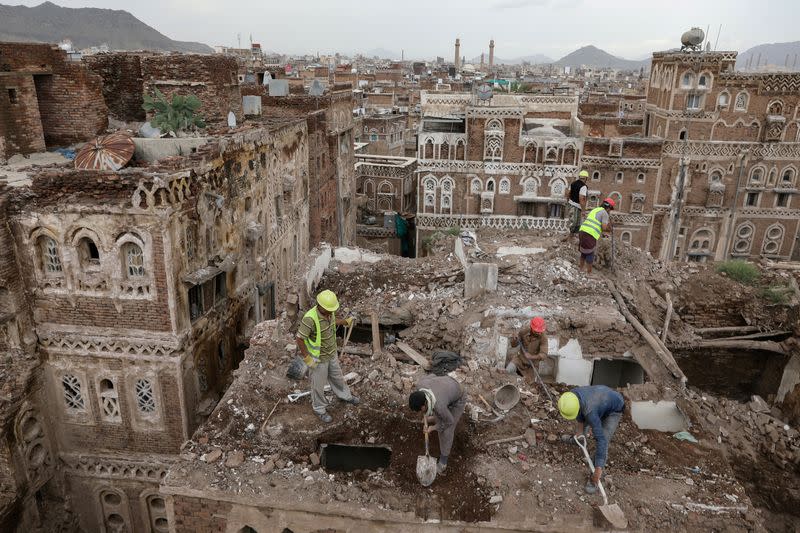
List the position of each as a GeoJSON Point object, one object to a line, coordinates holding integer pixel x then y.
{"type": "Point", "coordinates": [109, 152]}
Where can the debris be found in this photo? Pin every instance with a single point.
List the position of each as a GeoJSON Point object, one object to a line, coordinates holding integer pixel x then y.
{"type": "Point", "coordinates": [685, 435]}
{"type": "Point", "coordinates": [235, 459]}
{"type": "Point", "coordinates": [212, 456]}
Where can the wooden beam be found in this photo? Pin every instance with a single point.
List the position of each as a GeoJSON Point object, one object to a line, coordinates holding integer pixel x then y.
{"type": "Point", "coordinates": [667, 318]}
{"type": "Point", "coordinates": [413, 354]}
{"type": "Point", "coordinates": [729, 329]}
{"type": "Point", "coordinates": [507, 439]}
{"type": "Point", "coordinates": [755, 336]}
{"type": "Point", "coordinates": [376, 333]}
{"type": "Point", "coordinates": [766, 346]}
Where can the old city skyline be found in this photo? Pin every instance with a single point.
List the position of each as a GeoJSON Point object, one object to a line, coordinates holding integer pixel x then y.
{"type": "Point", "coordinates": [519, 27]}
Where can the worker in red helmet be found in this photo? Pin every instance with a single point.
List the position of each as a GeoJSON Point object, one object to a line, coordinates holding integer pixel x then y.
{"type": "Point", "coordinates": [597, 222]}
{"type": "Point", "coordinates": [532, 342]}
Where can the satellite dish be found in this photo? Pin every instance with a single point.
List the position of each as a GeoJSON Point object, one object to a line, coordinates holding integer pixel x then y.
{"type": "Point", "coordinates": [231, 119]}
{"type": "Point", "coordinates": [484, 92]}
{"type": "Point", "coordinates": [316, 88]}
{"type": "Point", "coordinates": [692, 39]}
{"type": "Point", "coordinates": [109, 152]}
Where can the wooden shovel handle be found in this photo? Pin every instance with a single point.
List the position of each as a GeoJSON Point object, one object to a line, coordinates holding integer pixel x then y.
{"type": "Point", "coordinates": [425, 431]}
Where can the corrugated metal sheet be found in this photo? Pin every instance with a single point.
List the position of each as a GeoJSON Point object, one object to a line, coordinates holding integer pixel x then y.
{"type": "Point", "coordinates": [109, 152]}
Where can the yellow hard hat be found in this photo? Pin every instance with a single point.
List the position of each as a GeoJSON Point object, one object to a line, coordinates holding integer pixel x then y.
{"type": "Point", "coordinates": [583, 174]}
{"type": "Point", "coordinates": [569, 405]}
{"type": "Point", "coordinates": [328, 301]}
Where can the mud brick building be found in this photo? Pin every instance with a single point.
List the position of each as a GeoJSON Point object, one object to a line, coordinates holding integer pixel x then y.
{"type": "Point", "coordinates": [332, 184]}
{"type": "Point", "coordinates": [388, 183]}
{"type": "Point", "coordinates": [612, 115]}
{"type": "Point", "coordinates": [730, 158]}
{"type": "Point", "coordinates": [45, 100]}
{"type": "Point", "coordinates": [386, 134]}
{"type": "Point", "coordinates": [128, 76]}
{"type": "Point", "coordinates": [143, 287]}
{"type": "Point", "coordinates": [503, 161]}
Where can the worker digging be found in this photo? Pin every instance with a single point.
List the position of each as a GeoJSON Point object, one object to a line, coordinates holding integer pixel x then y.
{"type": "Point", "coordinates": [532, 343]}
{"type": "Point", "coordinates": [441, 400]}
{"type": "Point", "coordinates": [316, 340]}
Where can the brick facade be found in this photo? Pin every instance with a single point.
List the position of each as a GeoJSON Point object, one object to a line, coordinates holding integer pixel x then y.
{"type": "Point", "coordinates": [123, 83]}
{"type": "Point", "coordinates": [39, 85]}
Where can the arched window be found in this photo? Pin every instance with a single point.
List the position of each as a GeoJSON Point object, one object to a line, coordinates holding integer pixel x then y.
{"type": "Point", "coordinates": [723, 99]}
{"type": "Point", "coordinates": [385, 188]}
{"type": "Point", "coordinates": [157, 509]}
{"type": "Point", "coordinates": [687, 80]}
{"type": "Point", "coordinates": [701, 241]}
{"type": "Point", "coordinates": [787, 180]}
{"type": "Point", "coordinates": [476, 186]}
{"type": "Point", "coordinates": [88, 253]}
{"type": "Point", "coordinates": [617, 197]}
{"type": "Point", "coordinates": [596, 176]}
{"type": "Point", "coordinates": [50, 260]}
{"type": "Point", "coordinates": [494, 149]}
{"type": "Point", "coordinates": [505, 186]}
{"type": "Point", "coordinates": [715, 176]}
{"type": "Point", "coordinates": [529, 187]}
{"type": "Point", "coordinates": [775, 108]}
{"type": "Point", "coordinates": [430, 184]}
{"type": "Point", "coordinates": [490, 185]}
{"type": "Point", "coordinates": [741, 102]}
{"type": "Point", "coordinates": [494, 124]}
{"type": "Point", "coordinates": [557, 188]}
{"type": "Point", "coordinates": [133, 259]}
{"type": "Point", "coordinates": [619, 177]}
{"type": "Point", "coordinates": [369, 187]}
{"type": "Point", "coordinates": [625, 236]}
{"type": "Point", "coordinates": [682, 135]}
{"type": "Point", "coordinates": [757, 177]}
{"type": "Point", "coordinates": [444, 150]}
{"type": "Point", "coordinates": [640, 177]}
{"type": "Point", "coordinates": [702, 81]}
{"type": "Point", "coordinates": [113, 504]}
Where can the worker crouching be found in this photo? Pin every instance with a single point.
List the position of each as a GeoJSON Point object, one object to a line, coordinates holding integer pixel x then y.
{"type": "Point", "coordinates": [532, 342]}
{"type": "Point", "coordinates": [442, 400]}
{"type": "Point", "coordinates": [316, 340]}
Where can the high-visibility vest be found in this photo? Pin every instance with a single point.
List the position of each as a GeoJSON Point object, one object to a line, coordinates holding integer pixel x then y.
{"type": "Point", "coordinates": [591, 225]}
{"type": "Point", "coordinates": [314, 347]}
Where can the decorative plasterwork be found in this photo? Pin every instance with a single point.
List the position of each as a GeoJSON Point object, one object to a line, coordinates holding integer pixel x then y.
{"type": "Point", "coordinates": [450, 166]}
{"type": "Point", "coordinates": [78, 344]}
{"type": "Point", "coordinates": [110, 468]}
{"type": "Point", "coordinates": [625, 163]}
{"type": "Point", "coordinates": [437, 221]}
{"type": "Point", "coordinates": [784, 151]}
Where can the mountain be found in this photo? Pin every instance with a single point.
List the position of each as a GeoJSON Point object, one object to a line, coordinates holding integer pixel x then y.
{"type": "Point", "coordinates": [535, 59]}
{"type": "Point", "coordinates": [594, 57]}
{"type": "Point", "coordinates": [771, 54]}
{"type": "Point", "coordinates": [86, 27]}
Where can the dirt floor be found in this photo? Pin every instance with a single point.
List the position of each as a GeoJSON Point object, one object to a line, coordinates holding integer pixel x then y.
{"type": "Point", "coordinates": [742, 475]}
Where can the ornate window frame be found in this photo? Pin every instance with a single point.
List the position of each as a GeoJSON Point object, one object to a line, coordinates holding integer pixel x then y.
{"type": "Point", "coordinates": [736, 103]}
{"type": "Point", "coordinates": [135, 287]}
{"type": "Point", "coordinates": [745, 239]}
{"type": "Point", "coordinates": [143, 420]}
{"type": "Point", "coordinates": [774, 241]}
{"type": "Point", "coordinates": [108, 401]}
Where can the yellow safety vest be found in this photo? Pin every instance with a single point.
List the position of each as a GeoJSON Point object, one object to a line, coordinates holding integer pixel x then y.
{"type": "Point", "coordinates": [591, 225]}
{"type": "Point", "coordinates": [314, 347]}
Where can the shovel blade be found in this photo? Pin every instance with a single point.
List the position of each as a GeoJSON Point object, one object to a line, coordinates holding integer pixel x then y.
{"type": "Point", "coordinates": [426, 469]}
{"type": "Point", "coordinates": [614, 516]}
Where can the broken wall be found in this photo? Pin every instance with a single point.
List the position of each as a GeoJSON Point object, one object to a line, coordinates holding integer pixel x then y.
{"type": "Point", "coordinates": [71, 108]}
{"type": "Point", "coordinates": [211, 78]}
{"type": "Point", "coordinates": [123, 84]}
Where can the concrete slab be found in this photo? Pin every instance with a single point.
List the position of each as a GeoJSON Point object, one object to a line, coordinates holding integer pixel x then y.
{"type": "Point", "coordinates": [660, 416]}
{"type": "Point", "coordinates": [571, 350]}
{"type": "Point", "coordinates": [479, 278]}
{"type": "Point", "coordinates": [517, 250]}
{"type": "Point", "coordinates": [575, 372]}
{"type": "Point", "coordinates": [251, 105]}
{"type": "Point", "coordinates": [354, 255]}
{"type": "Point", "coordinates": [152, 150]}
{"type": "Point", "coordinates": [790, 379]}
{"type": "Point", "coordinates": [279, 87]}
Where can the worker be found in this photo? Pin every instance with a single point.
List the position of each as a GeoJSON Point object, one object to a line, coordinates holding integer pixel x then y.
{"type": "Point", "coordinates": [576, 199]}
{"type": "Point", "coordinates": [597, 222]}
{"type": "Point", "coordinates": [532, 342]}
{"type": "Point", "coordinates": [598, 408]}
{"type": "Point", "coordinates": [443, 400]}
{"type": "Point", "coordinates": [316, 340]}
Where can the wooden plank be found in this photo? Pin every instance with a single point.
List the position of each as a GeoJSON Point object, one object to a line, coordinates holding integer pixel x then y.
{"type": "Point", "coordinates": [376, 333]}
{"type": "Point", "coordinates": [413, 354]}
{"type": "Point", "coordinates": [667, 318]}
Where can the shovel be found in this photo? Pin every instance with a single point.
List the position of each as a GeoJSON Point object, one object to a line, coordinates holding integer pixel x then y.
{"type": "Point", "coordinates": [613, 513]}
{"type": "Point", "coordinates": [426, 465]}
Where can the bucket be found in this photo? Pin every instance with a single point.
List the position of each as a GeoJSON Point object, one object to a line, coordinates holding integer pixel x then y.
{"type": "Point", "coordinates": [506, 397]}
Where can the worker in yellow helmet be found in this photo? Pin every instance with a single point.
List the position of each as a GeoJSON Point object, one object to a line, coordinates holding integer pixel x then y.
{"type": "Point", "coordinates": [316, 340]}
{"type": "Point", "coordinates": [598, 408]}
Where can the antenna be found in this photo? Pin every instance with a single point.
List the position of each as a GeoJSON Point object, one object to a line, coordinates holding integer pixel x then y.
{"type": "Point", "coordinates": [239, 38]}
{"type": "Point", "coordinates": [717, 41]}
{"type": "Point", "coordinates": [708, 26]}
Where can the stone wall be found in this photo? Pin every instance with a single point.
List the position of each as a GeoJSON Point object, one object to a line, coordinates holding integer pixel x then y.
{"type": "Point", "coordinates": [123, 84]}
{"type": "Point", "coordinates": [20, 122]}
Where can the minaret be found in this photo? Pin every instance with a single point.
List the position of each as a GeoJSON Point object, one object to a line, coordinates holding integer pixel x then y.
{"type": "Point", "coordinates": [482, 64]}
{"type": "Point", "coordinates": [458, 55]}
{"type": "Point", "coordinates": [491, 53]}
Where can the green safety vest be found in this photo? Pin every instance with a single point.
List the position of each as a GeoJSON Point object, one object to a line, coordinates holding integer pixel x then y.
{"type": "Point", "coordinates": [314, 347]}
{"type": "Point", "coordinates": [591, 225]}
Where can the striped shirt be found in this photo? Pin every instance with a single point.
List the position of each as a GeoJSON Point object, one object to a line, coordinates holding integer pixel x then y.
{"type": "Point", "coordinates": [307, 330]}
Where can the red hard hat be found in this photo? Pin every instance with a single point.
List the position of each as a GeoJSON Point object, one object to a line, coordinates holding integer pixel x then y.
{"type": "Point", "coordinates": [611, 202]}
{"type": "Point", "coordinates": [537, 324]}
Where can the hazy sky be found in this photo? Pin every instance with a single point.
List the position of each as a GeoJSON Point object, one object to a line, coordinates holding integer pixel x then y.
{"type": "Point", "coordinates": [427, 28]}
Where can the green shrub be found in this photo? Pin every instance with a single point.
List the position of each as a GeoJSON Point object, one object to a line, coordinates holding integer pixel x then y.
{"type": "Point", "coordinates": [777, 294]}
{"type": "Point", "coordinates": [455, 230]}
{"type": "Point", "coordinates": [177, 115]}
{"type": "Point", "coordinates": [739, 270]}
